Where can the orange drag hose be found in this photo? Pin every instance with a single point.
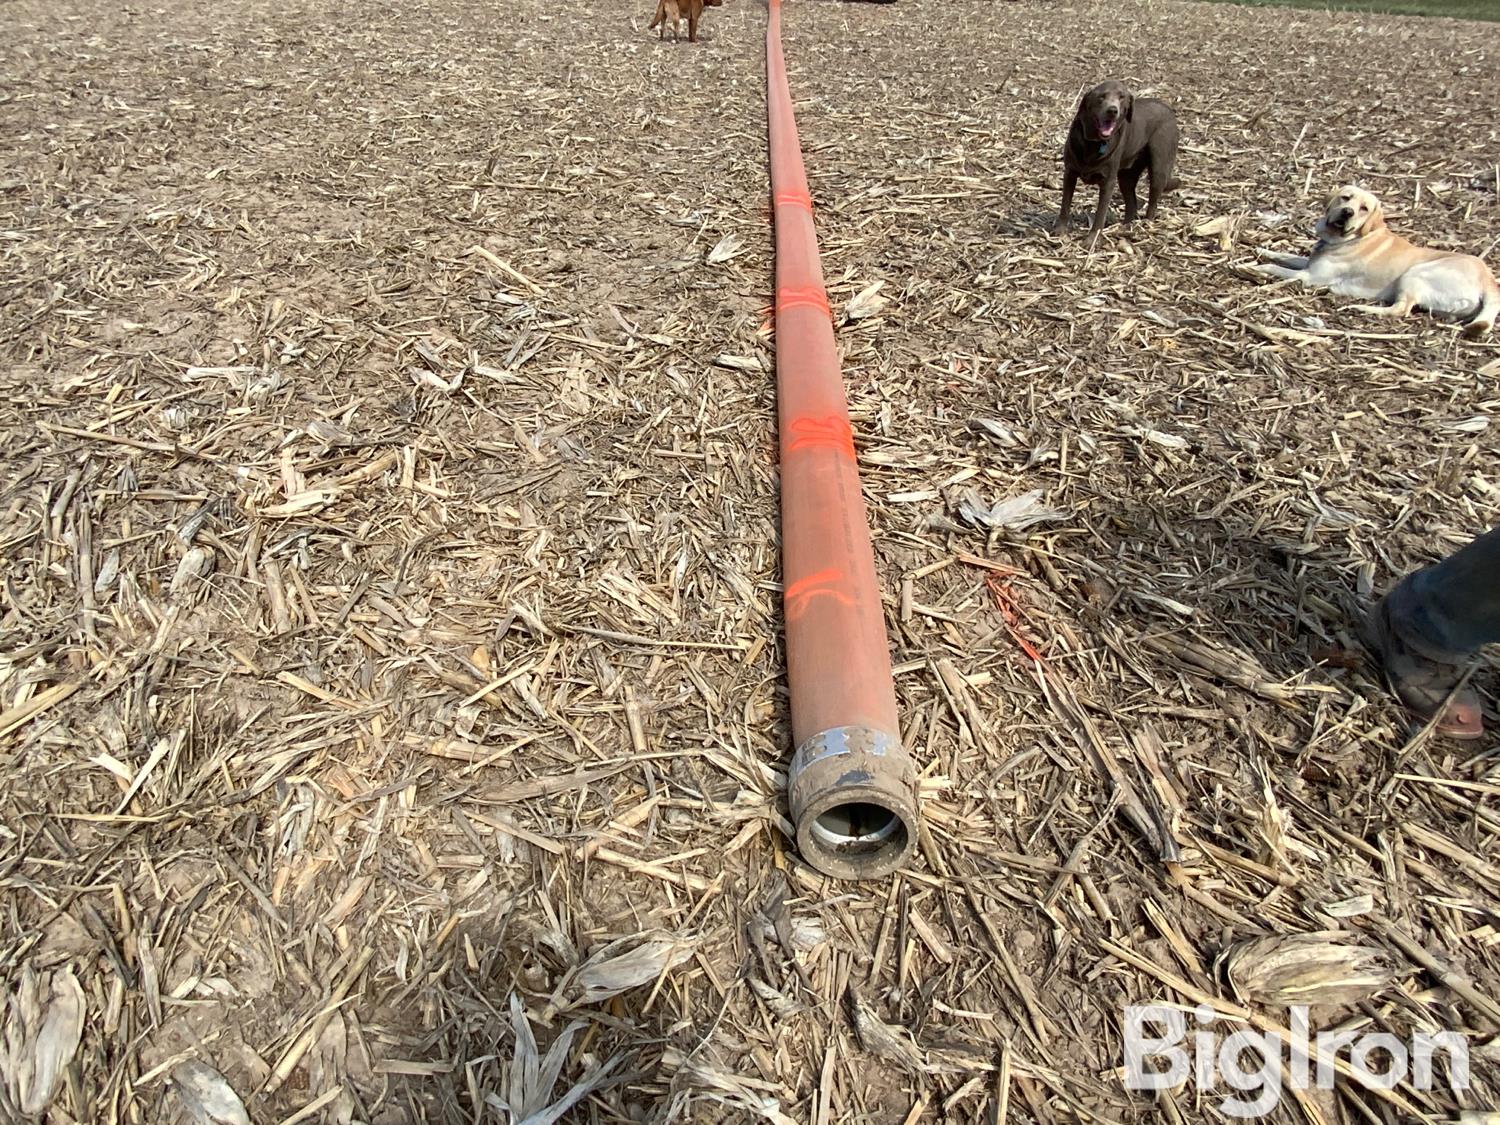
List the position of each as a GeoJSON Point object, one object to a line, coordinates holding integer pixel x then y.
{"type": "Point", "coordinates": [851, 786]}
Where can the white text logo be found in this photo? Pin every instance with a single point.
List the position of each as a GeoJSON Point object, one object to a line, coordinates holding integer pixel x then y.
{"type": "Point", "coordinates": [1251, 1062]}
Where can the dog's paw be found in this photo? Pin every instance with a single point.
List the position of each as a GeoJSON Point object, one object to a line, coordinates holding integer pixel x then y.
{"type": "Point", "coordinates": [1250, 271]}
{"type": "Point", "coordinates": [1273, 272]}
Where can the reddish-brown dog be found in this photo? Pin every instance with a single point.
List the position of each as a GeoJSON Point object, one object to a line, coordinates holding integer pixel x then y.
{"type": "Point", "coordinates": [675, 10]}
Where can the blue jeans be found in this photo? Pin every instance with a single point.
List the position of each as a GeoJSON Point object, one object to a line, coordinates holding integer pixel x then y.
{"type": "Point", "coordinates": [1452, 609]}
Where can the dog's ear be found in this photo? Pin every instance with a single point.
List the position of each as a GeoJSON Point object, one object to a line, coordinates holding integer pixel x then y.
{"type": "Point", "coordinates": [1376, 221]}
{"type": "Point", "coordinates": [1129, 107]}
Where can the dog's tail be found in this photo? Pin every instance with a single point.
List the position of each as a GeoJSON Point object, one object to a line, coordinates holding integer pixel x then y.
{"type": "Point", "coordinates": [1484, 320]}
{"type": "Point", "coordinates": [661, 14]}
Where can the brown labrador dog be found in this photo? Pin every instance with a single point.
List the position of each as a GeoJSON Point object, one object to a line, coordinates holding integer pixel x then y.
{"type": "Point", "coordinates": [1115, 136]}
{"type": "Point", "coordinates": [674, 10]}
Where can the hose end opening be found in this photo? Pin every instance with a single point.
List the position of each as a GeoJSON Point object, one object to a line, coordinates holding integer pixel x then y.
{"type": "Point", "coordinates": [853, 801]}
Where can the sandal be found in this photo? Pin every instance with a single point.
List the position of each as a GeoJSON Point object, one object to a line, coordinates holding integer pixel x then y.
{"type": "Point", "coordinates": [1425, 686]}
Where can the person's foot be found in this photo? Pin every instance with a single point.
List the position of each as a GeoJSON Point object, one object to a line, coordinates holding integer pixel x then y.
{"type": "Point", "coordinates": [1424, 685]}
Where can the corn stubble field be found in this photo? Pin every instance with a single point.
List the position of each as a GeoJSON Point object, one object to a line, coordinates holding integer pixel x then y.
{"type": "Point", "coordinates": [391, 696]}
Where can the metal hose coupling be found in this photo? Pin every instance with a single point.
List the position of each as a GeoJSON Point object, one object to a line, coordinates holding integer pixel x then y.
{"type": "Point", "coordinates": [853, 797]}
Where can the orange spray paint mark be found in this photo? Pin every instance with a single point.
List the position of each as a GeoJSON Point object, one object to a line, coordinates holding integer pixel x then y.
{"type": "Point", "coordinates": [831, 432]}
{"type": "Point", "coordinates": [802, 296]}
{"type": "Point", "coordinates": [794, 199]}
{"type": "Point", "coordinates": [824, 584]}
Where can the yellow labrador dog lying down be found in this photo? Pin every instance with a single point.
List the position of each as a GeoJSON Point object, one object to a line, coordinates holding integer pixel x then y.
{"type": "Point", "coordinates": [1357, 255]}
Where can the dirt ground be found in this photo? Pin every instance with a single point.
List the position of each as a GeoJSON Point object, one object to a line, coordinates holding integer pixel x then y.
{"type": "Point", "coordinates": [389, 623]}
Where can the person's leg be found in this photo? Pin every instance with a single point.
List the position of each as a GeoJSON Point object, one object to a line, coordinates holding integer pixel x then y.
{"type": "Point", "coordinates": [1451, 610]}
{"type": "Point", "coordinates": [1426, 629]}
